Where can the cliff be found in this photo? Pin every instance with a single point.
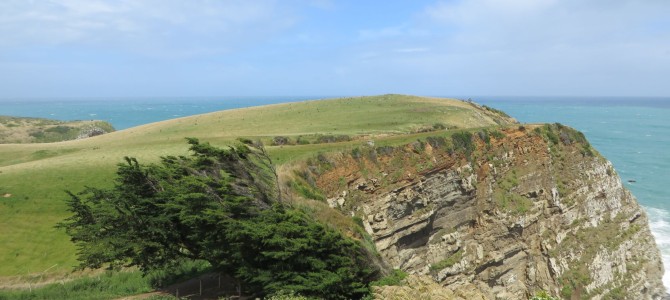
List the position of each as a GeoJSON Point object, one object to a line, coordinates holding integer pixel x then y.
{"type": "Point", "coordinates": [506, 213]}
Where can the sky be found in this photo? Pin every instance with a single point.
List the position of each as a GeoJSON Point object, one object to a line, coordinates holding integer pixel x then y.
{"type": "Point", "coordinates": [124, 48]}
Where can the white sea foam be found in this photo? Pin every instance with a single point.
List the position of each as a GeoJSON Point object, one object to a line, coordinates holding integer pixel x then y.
{"type": "Point", "coordinates": [659, 223]}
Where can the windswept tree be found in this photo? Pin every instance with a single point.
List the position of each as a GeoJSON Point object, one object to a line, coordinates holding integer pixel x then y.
{"type": "Point", "coordinates": [221, 206]}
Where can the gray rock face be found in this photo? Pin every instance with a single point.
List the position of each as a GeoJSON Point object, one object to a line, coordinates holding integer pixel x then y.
{"type": "Point", "coordinates": [526, 216]}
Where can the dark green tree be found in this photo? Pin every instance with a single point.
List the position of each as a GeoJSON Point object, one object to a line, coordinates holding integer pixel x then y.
{"type": "Point", "coordinates": [221, 206]}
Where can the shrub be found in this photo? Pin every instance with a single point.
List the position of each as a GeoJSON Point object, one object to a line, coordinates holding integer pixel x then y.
{"type": "Point", "coordinates": [497, 134]}
{"type": "Point", "coordinates": [280, 141]}
{"type": "Point", "coordinates": [484, 136]}
{"type": "Point", "coordinates": [307, 191]}
{"type": "Point", "coordinates": [436, 141]}
{"type": "Point", "coordinates": [329, 138]}
{"type": "Point", "coordinates": [384, 150]}
{"type": "Point", "coordinates": [542, 295]}
{"type": "Point", "coordinates": [286, 295]}
{"type": "Point", "coordinates": [462, 141]}
{"type": "Point", "coordinates": [395, 278]}
{"type": "Point", "coordinates": [301, 141]}
{"type": "Point", "coordinates": [60, 129]}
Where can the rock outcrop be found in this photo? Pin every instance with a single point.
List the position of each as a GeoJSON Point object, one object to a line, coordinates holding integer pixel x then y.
{"type": "Point", "coordinates": [519, 211]}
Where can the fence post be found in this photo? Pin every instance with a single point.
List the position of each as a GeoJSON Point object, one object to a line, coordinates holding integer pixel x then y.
{"type": "Point", "coordinates": [200, 286]}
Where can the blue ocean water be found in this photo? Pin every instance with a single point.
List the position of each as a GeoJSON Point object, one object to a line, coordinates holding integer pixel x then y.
{"type": "Point", "coordinates": [124, 113]}
{"type": "Point", "coordinates": [633, 133]}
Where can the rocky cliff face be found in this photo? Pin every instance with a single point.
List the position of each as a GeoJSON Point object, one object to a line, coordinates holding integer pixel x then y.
{"type": "Point", "coordinates": [508, 212]}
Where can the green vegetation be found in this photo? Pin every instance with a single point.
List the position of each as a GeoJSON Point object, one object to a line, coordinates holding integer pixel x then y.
{"type": "Point", "coordinates": [558, 134]}
{"type": "Point", "coordinates": [574, 281]}
{"type": "Point", "coordinates": [497, 111]}
{"type": "Point", "coordinates": [507, 199]}
{"type": "Point", "coordinates": [286, 295]}
{"type": "Point", "coordinates": [448, 262]}
{"type": "Point", "coordinates": [329, 138]}
{"type": "Point", "coordinates": [108, 285]}
{"type": "Point", "coordinates": [220, 206]}
{"type": "Point", "coordinates": [395, 278]}
{"type": "Point", "coordinates": [463, 142]}
{"type": "Point", "coordinates": [35, 175]}
{"type": "Point", "coordinates": [542, 295]}
{"type": "Point", "coordinates": [307, 190]}
{"type": "Point", "coordinates": [35, 130]}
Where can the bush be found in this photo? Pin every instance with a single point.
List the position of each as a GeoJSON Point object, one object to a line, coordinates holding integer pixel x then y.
{"type": "Point", "coordinates": [286, 295]}
{"type": "Point", "coordinates": [463, 142]}
{"type": "Point", "coordinates": [436, 141]}
{"type": "Point", "coordinates": [301, 141]}
{"type": "Point", "coordinates": [280, 141]}
{"type": "Point", "coordinates": [385, 150]}
{"type": "Point", "coordinates": [307, 192]}
{"type": "Point", "coordinates": [60, 129]}
{"type": "Point", "coordinates": [497, 134]}
{"type": "Point", "coordinates": [395, 278]}
{"type": "Point", "coordinates": [484, 136]}
{"type": "Point", "coordinates": [321, 139]}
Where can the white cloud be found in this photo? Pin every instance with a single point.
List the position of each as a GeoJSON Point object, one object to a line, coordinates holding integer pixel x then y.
{"type": "Point", "coordinates": [150, 26]}
{"type": "Point", "coordinates": [524, 47]}
{"type": "Point", "coordinates": [527, 24]}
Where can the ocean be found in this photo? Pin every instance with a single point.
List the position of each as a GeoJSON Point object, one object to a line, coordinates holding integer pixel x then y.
{"type": "Point", "coordinates": [633, 133]}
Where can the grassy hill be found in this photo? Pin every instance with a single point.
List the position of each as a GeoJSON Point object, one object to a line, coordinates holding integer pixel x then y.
{"type": "Point", "coordinates": [36, 130]}
{"type": "Point", "coordinates": [33, 177]}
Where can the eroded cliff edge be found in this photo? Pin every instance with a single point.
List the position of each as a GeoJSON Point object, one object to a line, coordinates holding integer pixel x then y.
{"type": "Point", "coordinates": [506, 211]}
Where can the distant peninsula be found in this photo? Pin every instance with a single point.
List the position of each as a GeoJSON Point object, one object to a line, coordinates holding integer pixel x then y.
{"type": "Point", "coordinates": [22, 130]}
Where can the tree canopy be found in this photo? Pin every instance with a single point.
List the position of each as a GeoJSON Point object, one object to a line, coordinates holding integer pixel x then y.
{"type": "Point", "coordinates": [218, 205]}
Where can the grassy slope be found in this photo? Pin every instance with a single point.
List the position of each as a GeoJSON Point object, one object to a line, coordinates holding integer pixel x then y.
{"type": "Point", "coordinates": [37, 130]}
{"type": "Point", "coordinates": [37, 174]}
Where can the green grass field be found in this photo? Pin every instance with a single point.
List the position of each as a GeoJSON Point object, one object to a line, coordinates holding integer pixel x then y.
{"type": "Point", "coordinates": [33, 177]}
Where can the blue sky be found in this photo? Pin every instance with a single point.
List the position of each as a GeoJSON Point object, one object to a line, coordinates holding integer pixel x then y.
{"type": "Point", "coordinates": [84, 48]}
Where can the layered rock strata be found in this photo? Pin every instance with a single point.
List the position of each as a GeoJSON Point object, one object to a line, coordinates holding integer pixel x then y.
{"type": "Point", "coordinates": [526, 211]}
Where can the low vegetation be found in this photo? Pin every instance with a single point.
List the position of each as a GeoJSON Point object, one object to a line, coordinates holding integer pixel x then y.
{"type": "Point", "coordinates": [108, 285]}
{"type": "Point", "coordinates": [448, 262]}
{"type": "Point", "coordinates": [36, 130]}
{"type": "Point", "coordinates": [558, 134]}
{"type": "Point", "coordinates": [395, 278]}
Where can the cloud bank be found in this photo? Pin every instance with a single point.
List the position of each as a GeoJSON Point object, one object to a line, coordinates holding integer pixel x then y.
{"type": "Point", "coordinates": [321, 47]}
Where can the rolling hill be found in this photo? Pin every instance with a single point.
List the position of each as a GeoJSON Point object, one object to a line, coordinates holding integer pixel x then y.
{"type": "Point", "coordinates": [33, 177]}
